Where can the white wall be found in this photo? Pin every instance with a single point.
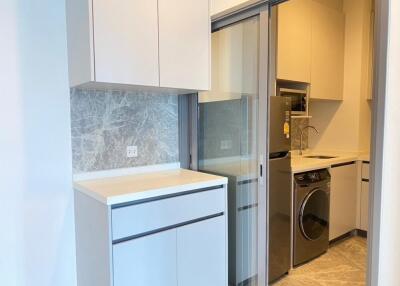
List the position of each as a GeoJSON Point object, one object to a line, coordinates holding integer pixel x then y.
{"type": "Point", "coordinates": [345, 125]}
{"type": "Point", "coordinates": [389, 256]}
{"type": "Point", "coordinates": [36, 214]}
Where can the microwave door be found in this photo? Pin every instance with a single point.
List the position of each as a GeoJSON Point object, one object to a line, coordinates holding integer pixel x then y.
{"type": "Point", "coordinates": [298, 99]}
{"type": "Point", "coordinates": [298, 104]}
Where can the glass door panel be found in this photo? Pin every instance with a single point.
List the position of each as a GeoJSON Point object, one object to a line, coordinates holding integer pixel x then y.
{"type": "Point", "coordinates": [228, 138]}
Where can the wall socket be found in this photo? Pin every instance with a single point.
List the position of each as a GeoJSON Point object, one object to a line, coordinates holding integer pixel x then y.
{"type": "Point", "coordinates": [226, 144]}
{"type": "Point", "coordinates": [131, 151]}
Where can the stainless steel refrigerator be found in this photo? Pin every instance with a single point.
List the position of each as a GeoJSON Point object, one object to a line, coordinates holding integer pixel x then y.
{"type": "Point", "coordinates": [279, 187]}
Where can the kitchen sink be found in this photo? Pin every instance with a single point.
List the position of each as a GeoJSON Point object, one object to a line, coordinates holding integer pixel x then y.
{"type": "Point", "coordinates": [319, 157]}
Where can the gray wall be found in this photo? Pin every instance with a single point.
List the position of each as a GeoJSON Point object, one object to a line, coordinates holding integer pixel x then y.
{"type": "Point", "coordinates": [231, 122]}
{"type": "Point", "coordinates": [219, 121]}
{"type": "Point", "coordinates": [105, 122]}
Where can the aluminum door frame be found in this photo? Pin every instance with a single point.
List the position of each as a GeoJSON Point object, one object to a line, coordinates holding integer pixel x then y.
{"type": "Point", "coordinates": [263, 146]}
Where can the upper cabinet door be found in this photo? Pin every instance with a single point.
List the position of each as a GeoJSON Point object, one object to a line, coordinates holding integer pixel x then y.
{"type": "Point", "coordinates": [184, 32]}
{"type": "Point", "coordinates": [327, 50]}
{"type": "Point", "coordinates": [126, 41]}
{"type": "Point", "coordinates": [294, 41]}
{"type": "Point", "coordinates": [370, 57]}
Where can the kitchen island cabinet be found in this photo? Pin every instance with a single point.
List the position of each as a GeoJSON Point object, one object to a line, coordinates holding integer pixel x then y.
{"type": "Point", "coordinates": [161, 229]}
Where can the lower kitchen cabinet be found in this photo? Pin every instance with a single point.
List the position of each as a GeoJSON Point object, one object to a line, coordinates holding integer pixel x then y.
{"type": "Point", "coordinates": [149, 260]}
{"type": "Point", "coordinates": [343, 199]}
{"type": "Point", "coordinates": [201, 253]}
{"type": "Point", "coordinates": [246, 240]}
{"type": "Point", "coordinates": [364, 206]}
{"type": "Point", "coordinates": [172, 240]}
{"type": "Point", "coordinates": [242, 230]}
{"type": "Point", "coordinates": [193, 254]}
{"type": "Point", "coordinates": [364, 197]}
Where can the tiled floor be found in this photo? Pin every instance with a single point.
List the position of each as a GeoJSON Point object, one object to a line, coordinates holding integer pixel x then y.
{"type": "Point", "coordinates": [343, 265]}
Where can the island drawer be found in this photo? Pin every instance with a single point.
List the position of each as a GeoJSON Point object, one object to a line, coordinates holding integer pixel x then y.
{"type": "Point", "coordinates": [137, 219]}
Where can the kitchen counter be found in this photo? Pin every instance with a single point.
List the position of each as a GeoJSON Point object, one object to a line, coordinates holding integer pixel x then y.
{"type": "Point", "coordinates": [303, 164]}
{"type": "Point", "coordinates": [129, 188]}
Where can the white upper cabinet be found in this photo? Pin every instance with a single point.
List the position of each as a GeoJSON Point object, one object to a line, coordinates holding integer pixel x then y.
{"type": "Point", "coordinates": [294, 41]}
{"type": "Point", "coordinates": [185, 35]}
{"type": "Point", "coordinates": [327, 52]}
{"type": "Point", "coordinates": [370, 56]}
{"type": "Point", "coordinates": [310, 47]}
{"type": "Point", "coordinates": [126, 41]}
{"type": "Point", "coordinates": [152, 43]}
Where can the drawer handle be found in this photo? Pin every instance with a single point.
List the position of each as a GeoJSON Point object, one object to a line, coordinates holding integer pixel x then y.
{"type": "Point", "coordinates": [124, 239]}
{"type": "Point", "coordinates": [143, 201]}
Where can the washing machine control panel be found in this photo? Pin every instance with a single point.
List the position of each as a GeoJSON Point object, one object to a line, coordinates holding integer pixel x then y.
{"type": "Point", "coordinates": [312, 177]}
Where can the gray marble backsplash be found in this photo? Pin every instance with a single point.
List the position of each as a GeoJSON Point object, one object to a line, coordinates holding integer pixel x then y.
{"type": "Point", "coordinates": [297, 125]}
{"type": "Point", "coordinates": [104, 122]}
{"type": "Point", "coordinates": [226, 128]}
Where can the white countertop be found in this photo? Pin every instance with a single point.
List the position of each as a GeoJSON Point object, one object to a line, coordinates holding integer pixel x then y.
{"type": "Point", "coordinates": [303, 164]}
{"type": "Point", "coordinates": [129, 188]}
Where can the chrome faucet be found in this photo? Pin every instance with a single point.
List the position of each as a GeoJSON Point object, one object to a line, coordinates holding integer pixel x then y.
{"type": "Point", "coordinates": [301, 136]}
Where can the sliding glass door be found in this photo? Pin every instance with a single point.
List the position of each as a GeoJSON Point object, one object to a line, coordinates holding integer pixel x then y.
{"type": "Point", "coordinates": [231, 132]}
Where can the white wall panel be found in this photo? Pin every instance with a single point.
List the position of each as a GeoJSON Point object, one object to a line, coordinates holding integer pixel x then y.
{"type": "Point", "coordinates": [389, 256]}
{"type": "Point", "coordinates": [37, 239]}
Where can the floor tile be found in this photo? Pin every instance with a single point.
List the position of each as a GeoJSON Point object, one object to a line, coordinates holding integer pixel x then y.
{"type": "Point", "coordinates": [343, 265]}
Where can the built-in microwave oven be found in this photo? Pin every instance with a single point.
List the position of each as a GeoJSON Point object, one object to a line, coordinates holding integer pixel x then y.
{"type": "Point", "coordinates": [299, 100]}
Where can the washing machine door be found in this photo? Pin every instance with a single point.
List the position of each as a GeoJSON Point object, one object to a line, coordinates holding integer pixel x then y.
{"type": "Point", "coordinates": [314, 214]}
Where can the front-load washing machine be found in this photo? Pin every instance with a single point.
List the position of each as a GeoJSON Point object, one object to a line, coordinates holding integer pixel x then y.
{"type": "Point", "coordinates": [311, 215]}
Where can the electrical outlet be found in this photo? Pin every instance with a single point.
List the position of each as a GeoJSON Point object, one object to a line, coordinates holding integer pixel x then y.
{"type": "Point", "coordinates": [226, 144]}
{"type": "Point", "coordinates": [131, 151]}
